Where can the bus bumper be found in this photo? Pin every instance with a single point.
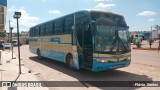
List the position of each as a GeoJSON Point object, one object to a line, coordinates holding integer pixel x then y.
{"type": "Point", "coordinates": [99, 66]}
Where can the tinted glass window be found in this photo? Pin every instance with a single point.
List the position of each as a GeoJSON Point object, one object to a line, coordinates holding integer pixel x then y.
{"type": "Point", "coordinates": [42, 30]}
{"type": "Point", "coordinates": [33, 32]}
{"type": "Point", "coordinates": [81, 18]}
{"type": "Point", "coordinates": [108, 19]}
{"type": "Point", "coordinates": [30, 32]}
{"type": "Point", "coordinates": [81, 23]}
{"type": "Point", "coordinates": [36, 31]}
{"type": "Point", "coordinates": [69, 21]}
{"type": "Point", "coordinates": [49, 29]}
{"type": "Point", "coordinates": [58, 26]}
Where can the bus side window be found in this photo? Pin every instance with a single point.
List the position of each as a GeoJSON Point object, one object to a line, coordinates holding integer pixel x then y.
{"type": "Point", "coordinates": [33, 31]}
{"type": "Point", "coordinates": [53, 27]}
{"type": "Point", "coordinates": [49, 28]}
{"type": "Point", "coordinates": [37, 31]}
{"type": "Point", "coordinates": [30, 32]}
{"type": "Point", "coordinates": [42, 30]}
{"type": "Point", "coordinates": [58, 26]}
{"type": "Point", "coordinates": [82, 18]}
{"type": "Point", "coordinates": [68, 23]}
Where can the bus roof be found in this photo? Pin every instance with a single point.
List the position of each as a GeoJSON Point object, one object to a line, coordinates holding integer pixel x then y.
{"type": "Point", "coordinates": [86, 10]}
{"type": "Point", "coordinates": [103, 11]}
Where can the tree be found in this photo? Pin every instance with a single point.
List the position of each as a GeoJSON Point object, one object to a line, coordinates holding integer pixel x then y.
{"type": "Point", "coordinates": [138, 44]}
{"type": "Point", "coordinates": [2, 34]}
{"type": "Point", "coordinates": [157, 27]}
{"type": "Point", "coordinates": [150, 41]}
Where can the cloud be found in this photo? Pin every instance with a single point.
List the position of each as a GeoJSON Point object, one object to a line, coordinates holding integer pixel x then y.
{"type": "Point", "coordinates": [25, 21]}
{"type": "Point", "coordinates": [11, 9]}
{"type": "Point", "coordinates": [102, 5]}
{"type": "Point", "coordinates": [44, 0]}
{"type": "Point", "coordinates": [150, 20]}
{"type": "Point", "coordinates": [147, 13]}
{"type": "Point", "coordinates": [102, 0]}
{"type": "Point", "coordinates": [54, 11]}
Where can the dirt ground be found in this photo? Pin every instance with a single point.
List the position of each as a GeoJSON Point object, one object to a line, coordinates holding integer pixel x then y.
{"type": "Point", "coordinates": [141, 69]}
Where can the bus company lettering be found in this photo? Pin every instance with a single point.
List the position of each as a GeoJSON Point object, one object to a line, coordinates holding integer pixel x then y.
{"type": "Point", "coordinates": [26, 84]}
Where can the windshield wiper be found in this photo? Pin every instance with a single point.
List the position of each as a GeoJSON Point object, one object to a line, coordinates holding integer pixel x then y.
{"type": "Point", "coordinates": [123, 45]}
{"type": "Point", "coordinates": [113, 45]}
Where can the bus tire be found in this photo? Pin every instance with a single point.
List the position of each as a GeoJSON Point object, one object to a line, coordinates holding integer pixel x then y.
{"type": "Point", "coordinates": [69, 61]}
{"type": "Point", "coordinates": [39, 53]}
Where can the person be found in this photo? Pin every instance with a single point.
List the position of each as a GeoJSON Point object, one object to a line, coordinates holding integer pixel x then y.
{"type": "Point", "coordinates": [158, 42]}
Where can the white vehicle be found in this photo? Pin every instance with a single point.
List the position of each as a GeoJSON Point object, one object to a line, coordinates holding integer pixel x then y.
{"type": "Point", "coordinates": [8, 45]}
{"type": "Point", "coordinates": [14, 42]}
{"type": "Point", "coordinates": [138, 37]}
{"type": "Point", "coordinates": [1, 41]}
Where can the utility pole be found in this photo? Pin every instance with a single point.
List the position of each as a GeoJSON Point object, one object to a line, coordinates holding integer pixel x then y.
{"type": "Point", "coordinates": [17, 15]}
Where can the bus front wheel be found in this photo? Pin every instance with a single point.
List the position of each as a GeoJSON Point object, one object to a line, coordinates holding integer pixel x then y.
{"type": "Point", "coordinates": [69, 61]}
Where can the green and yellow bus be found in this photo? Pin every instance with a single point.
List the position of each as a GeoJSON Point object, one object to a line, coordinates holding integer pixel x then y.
{"type": "Point", "coordinates": [93, 39]}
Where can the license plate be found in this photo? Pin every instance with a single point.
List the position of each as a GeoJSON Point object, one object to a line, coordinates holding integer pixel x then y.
{"type": "Point", "coordinates": [116, 66]}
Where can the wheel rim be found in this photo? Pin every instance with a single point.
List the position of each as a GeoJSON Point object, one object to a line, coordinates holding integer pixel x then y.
{"type": "Point", "coordinates": [71, 62]}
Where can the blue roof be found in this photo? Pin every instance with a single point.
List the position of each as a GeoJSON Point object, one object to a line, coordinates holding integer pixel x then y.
{"type": "Point", "coordinates": [3, 3]}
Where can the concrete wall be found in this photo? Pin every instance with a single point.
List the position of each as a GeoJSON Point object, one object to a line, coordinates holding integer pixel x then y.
{"type": "Point", "coordinates": [155, 33]}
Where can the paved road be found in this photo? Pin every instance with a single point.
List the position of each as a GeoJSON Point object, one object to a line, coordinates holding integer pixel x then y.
{"type": "Point", "coordinates": [55, 71]}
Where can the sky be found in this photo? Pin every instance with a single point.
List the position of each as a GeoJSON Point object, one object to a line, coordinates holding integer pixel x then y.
{"type": "Point", "coordinates": [140, 15]}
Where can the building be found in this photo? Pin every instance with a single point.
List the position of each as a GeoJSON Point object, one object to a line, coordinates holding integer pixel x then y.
{"type": "Point", "coordinates": [23, 37]}
{"type": "Point", "coordinates": [155, 33]}
{"type": "Point", "coordinates": [3, 12]}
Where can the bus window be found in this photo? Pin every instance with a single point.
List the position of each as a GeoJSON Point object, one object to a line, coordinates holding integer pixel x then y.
{"type": "Point", "coordinates": [69, 21]}
{"type": "Point", "coordinates": [30, 32]}
{"type": "Point", "coordinates": [42, 30]}
{"type": "Point", "coordinates": [37, 31]}
{"type": "Point", "coordinates": [53, 27]}
{"type": "Point", "coordinates": [33, 31]}
{"type": "Point", "coordinates": [81, 23]}
{"type": "Point", "coordinates": [49, 29]}
{"type": "Point", "coordinates": [81, 18]}
{"type": "Point", "coordinates": [58, 26]}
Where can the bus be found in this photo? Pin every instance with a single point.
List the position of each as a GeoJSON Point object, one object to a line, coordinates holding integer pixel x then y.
{"type": "Point", "coordinates": [93, 39]}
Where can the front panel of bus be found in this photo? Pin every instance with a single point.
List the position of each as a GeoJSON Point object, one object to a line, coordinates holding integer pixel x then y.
{"type": "Point", "coordinates": [111, 41]}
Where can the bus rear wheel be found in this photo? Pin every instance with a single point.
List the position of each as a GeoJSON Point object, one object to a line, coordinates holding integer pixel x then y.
{"type": "Point", "coordinates": [39, 54]}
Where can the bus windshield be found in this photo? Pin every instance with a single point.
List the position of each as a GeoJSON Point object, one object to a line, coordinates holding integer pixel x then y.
{"type": "Point", "coordinates": [111, 34]}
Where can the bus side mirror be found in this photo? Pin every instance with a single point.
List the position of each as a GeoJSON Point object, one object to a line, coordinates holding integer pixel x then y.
{"type": "Point", "coordinates": [92, 21]}
{"type": "Point", "coordinates": [73, 27]}
{"type": "Point", "coordinates": [87, 27]}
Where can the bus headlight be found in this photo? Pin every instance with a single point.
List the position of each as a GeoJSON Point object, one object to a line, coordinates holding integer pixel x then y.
{"type": "Point", "coordinates": [129, 58]}
{"type": "Point", "coordinates": [101, 60]}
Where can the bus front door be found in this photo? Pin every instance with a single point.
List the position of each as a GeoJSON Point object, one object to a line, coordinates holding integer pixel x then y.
{"type": "Point", "coordinates": [84, 37]}
{"type": "Point", "coordinates": [87, 47]}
